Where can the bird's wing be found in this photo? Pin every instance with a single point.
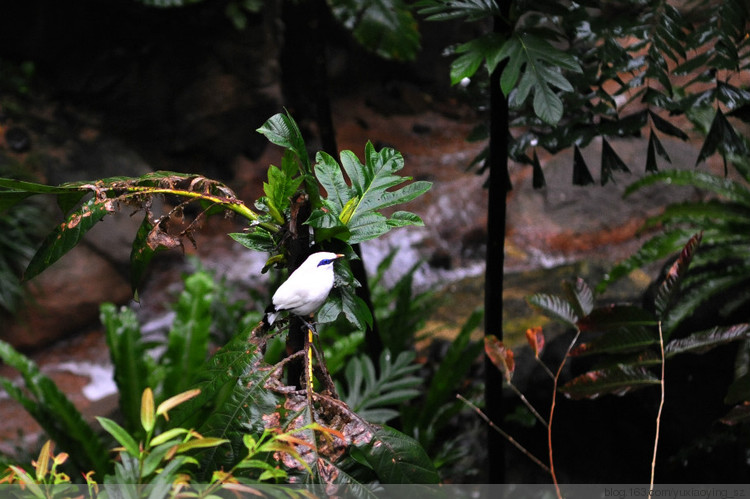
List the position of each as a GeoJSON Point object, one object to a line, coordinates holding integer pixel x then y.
{"type": "Point", "coordinates": [290, 295]}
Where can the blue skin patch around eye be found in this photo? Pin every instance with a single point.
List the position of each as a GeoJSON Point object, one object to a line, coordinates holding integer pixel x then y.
{"type": "Point", "coordinates": [325, 261]}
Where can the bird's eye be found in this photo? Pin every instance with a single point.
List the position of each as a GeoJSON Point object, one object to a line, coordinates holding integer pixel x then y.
{"type": "Point", "coordinates": [324, 261]}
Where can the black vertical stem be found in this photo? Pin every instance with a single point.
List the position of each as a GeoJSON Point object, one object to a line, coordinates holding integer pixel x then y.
{"type": "Point", "coordinates": [499, 185]}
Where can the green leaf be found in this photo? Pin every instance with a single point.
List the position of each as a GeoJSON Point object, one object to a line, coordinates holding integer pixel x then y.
{"type": "Point", "coordinates": [485, 48]}
{"type": "Point", "coordinates": [66, 236]}
{"type": "Point", "coordinates": [725, 187]}
{"type": "Point", "coordinates": [281, 186]}
{"type": "Point", "coordinates": [121, 435]}
{"type": "Point", "coordinates": [373, 397]}
{"type": "Point", "coordinates": [56, 414]}
{"type": "Point", "coordinates": [704, 341]}
{"type": "Point", "coordinates": [328, 173]}
{"type": "Point", "coordinates": [141, 254]}
{"type": "Point", "coordinates": [427, 418]}
{"type": "Point", "coordinates": [385, 27]}
{"type": "Point", "coordinates": [447, 10]}
{"type": "Point", "coordinates": [343, 300]}
{"type": "Point", "coordinates": [398, 459]}
{"type": "Point", "coordinates": [371, 190]}
{"type": "Point", "coordinates": [258, 239]}
{"type": "Point", "coordinates": [187, 342]}
{"type": "Point", "coordinates": [234, 400]}
{"type": "Point", "coordinates": [656, 248]}
{"type": "Point", "coordinates": [282, 130]}
{"type": "Point", "coordinates": [617, 380]}
{"type": "Point", "coordinates": [543, 63]}
{"type": "Point", "coordinates": [128, 356]}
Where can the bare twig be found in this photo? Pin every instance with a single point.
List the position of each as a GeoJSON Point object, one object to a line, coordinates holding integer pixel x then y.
{"type": "Point", "coordinates": [527, 404]}
{"type": "Point", "coordinates": [658, 414]}
{"type": "Point", "coordinates": [552, 413]}
{"type": "Point", "coordinates": [544, 366]}
{"type": "Point", "coordinates": [503, 433]}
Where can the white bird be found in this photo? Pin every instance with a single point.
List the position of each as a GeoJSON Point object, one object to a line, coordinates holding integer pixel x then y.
{"type": "Point", "coordinates": [305, 290]}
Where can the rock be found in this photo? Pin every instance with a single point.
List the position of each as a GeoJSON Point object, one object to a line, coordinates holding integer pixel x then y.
{"type": "Point", "coordinates": [17, 139]}
{"type": "Point", "coordinates": [65, 298]}
{"type": "Point", "coordinates": [564, 221]}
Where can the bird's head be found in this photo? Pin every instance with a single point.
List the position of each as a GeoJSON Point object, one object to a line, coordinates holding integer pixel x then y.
{"type": "Point", "coordinates": [324, 258]}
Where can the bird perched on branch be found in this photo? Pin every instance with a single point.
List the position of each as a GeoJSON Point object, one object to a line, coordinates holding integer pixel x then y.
{"type": "Point", "coordinates": [305, 290]}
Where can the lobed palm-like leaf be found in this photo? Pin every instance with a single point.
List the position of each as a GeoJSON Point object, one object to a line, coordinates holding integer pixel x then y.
{"type": "Point", "coordinates": [373, 396]}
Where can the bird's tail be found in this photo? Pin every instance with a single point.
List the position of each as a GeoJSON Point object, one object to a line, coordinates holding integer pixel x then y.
{"type": "Point", "coordinates": [270, 315]}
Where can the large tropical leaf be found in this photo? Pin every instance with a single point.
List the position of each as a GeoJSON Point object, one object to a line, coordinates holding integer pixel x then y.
{"type": "Point", "coordinates": [67, 235]}
{"type": "Point", "coordinates": [541, 63]}
{"type": "Point", "coordinates": [356, 207]}
{"type": "Point", "coordinates": [398, 459]}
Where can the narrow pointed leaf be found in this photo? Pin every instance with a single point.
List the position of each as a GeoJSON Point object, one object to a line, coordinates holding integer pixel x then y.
{"type": "Point", "coordinates": [666, 127]}
{"type": "Point", "coordinates": [581, 174]}
{"type": "Point", "coordinates": [611, 163]}
{"type": "Point", "coordinates": [651, 165]}
{"type": "Point", "coordinates": [538, 180]}
{"type": "Point", "coordinates": [721, 136]}
{"type": "Point", "coordinates": [119, 434]}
